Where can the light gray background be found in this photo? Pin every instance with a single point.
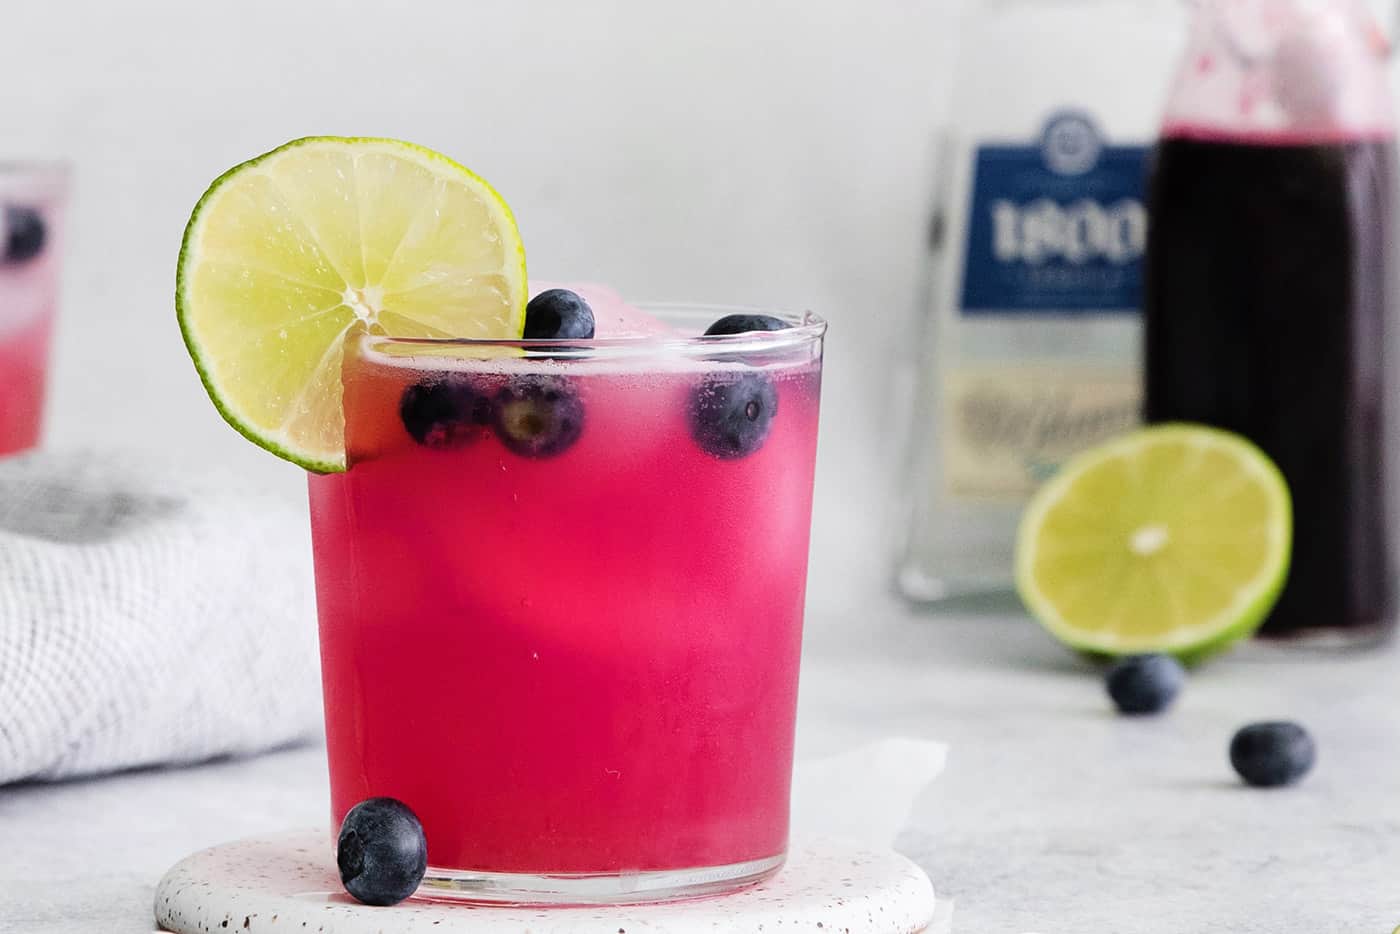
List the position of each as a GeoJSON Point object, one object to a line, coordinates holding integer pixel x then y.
{"type": "Point", "coordinates": [764, 153]}
{"type": "Point", "coordinates": [775, 152]}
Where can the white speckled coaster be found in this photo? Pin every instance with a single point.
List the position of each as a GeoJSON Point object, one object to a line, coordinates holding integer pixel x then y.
{"type": "Point", "coordinates": [288, 882]}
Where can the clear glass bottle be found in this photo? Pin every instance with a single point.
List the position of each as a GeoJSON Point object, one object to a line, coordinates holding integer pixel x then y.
{"type": "Point", "coordinates": [1030, 327]}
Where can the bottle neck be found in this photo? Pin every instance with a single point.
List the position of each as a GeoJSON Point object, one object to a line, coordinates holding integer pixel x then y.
{"type": "Point", "coordinates": [1254, 30]}
{"type": "Point", "coordinates": [1310, 70]}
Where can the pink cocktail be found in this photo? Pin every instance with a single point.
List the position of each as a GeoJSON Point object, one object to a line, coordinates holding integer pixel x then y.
{"type": "Point", "coordinates": [31, 209]}
{"type": "Point", "coordinates": [561, 595]}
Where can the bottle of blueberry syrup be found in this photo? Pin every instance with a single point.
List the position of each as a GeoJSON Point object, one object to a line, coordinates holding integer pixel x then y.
{"type": "Point", "coordinates": [1270, 283]}
{"type": "Point", "coordinates": [1027, 349]}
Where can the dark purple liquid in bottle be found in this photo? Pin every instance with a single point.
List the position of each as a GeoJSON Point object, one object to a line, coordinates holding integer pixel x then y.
{"type": "Point", "coordinates": [1269, 305]}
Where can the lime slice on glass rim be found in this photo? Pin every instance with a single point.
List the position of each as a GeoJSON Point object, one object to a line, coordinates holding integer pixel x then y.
{"type": "Point", "coordinates": [285, 253]}
{"type": "Point", "coordinates": [1174, 538]}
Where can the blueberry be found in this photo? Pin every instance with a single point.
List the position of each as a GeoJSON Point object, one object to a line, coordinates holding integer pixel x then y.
{"type": "Point", "coordinates": [445, 413]}
{"type": "Point", "coordinates": [538, 416]}
{"type": "Point", "coordinates": [1268, 755]}
{"type": "Point", "coordinates": [731, 413]}
{"type": "Point", "coordinates": [1145, 683]}
{"type": "Point", "coordinates": [382, 852]}
{"type": "Point", "coordinates": [558, 314]}
{"type": "Point", "coordinates": [743, 324]}
{"type": "Point", "coordinates": [24, 234]}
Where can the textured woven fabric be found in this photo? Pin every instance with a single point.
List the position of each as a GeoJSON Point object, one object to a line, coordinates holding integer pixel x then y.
{"type": "Point", "coordinates": [148, 615]}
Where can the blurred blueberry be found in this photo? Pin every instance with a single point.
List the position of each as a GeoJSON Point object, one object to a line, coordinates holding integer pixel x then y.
{"type": "Point", "coordinates": [731, 413]}
{"type": "Point", "coordinates": [559, 314]}
{"type": "Point", "coordinates": [382, 852]}
{"type": "Point", "coordinates": [1141, 684]}
{"type": "Point", "coordinates": [743, 324]}
{"type": "Point", "coordinates": [444, 413]}
{"type": "Point", "coordinates": [24, 234]}
{"type": "Point", "coordinates": [539, 416]}
{"type": "Point", "coordinates": [1268, 755]}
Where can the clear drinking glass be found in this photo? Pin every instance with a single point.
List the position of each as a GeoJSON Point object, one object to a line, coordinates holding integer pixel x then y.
{"type": "Point", "coordinates": [560, 590]}
{"type": "Point", "coordinates": [32, 200]}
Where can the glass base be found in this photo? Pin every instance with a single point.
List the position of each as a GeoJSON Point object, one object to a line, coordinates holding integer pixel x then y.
{"type": "Point", "coordinates": [1329, 638]}
{"type": "Point", "coordinates": [623, 888]}
{"type": "Point", "coordinates": [994, 593]}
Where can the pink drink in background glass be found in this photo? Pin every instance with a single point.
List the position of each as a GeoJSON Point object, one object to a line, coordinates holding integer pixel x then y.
{"type": "Point", "coordinates": [578, 662]}
{"type": "Point", "coordinates": [31, 208]}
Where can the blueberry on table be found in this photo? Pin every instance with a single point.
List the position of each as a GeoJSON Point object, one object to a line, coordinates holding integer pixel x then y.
{"type": "Point", "coordinates": [731, 413]}
{"type": "Point", "coordinates": [382, 852]}
{"type": "Point", "coordinates": [24, 234]}
{"type": "Point", "coordinates": [445, 413]}
{"type": "Point", "coordinates": [744, 324]}
{"type": "Point", "coordinates": [1268, 755]}
{"type": "Point", "coordinates": [538, 416]}
{"type": "Point", "coordinates": [558, 314]}
{"type": "Point", "coordinates": [1143, 684]}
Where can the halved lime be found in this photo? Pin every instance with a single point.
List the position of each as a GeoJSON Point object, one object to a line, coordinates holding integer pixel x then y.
{"type": "Point", "coordinates": [287, 252]}
{"type": "Point", "coordinates": [1174, 538]}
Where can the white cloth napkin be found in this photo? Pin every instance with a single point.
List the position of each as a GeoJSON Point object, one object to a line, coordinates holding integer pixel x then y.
{"type": "Point", "coordinates": [148, 615]}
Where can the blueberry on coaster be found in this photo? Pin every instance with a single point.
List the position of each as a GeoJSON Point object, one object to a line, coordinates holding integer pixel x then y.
{"type": "Point", "coordinates": [382, 852]}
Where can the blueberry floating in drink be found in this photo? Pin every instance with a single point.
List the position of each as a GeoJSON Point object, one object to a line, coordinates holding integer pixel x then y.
{"type": "Point", "coordinates": [445, 413]}
{"type": "Point", "coordinates": [538, 416]}
{"type": "Point", "coordinates": [381, 852]}
{"type": "Point", "coordinates": [732, 413]}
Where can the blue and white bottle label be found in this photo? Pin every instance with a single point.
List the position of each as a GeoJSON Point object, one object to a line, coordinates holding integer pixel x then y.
{"type": "Point", "coordinates": [1058, 226]}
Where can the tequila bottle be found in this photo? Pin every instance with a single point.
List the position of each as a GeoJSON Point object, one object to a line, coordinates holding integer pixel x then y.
{"type": "Point", "coordinates": [1030, 324]}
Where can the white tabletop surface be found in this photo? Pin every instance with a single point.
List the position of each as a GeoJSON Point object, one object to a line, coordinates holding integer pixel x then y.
{"type": "Point", "coordinates": [1053, 815]}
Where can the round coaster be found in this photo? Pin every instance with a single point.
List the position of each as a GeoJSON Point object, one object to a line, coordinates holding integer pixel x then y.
{"type": "Point", "coordinates": [288, 883]}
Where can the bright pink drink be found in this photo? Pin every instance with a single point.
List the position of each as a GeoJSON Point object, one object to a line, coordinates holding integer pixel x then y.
{"type": "Point", "coordinates": [31, 202]}
{"type": "Point", "coordinates": [564, 628]}
{"type": "Point", "coordinates": [24, 356]}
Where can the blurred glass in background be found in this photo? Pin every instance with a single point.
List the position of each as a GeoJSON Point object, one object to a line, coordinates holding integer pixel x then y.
{"type": "Point", "coordinates": [32, 202]}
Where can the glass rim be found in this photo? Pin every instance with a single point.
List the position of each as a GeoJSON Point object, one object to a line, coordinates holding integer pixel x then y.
{"type": "Point", "coordinates": [47, 170]}
{"type": "Point", "coordinates": [43, 179]}
{"type": "Point", "coordinates": [804, 328]}
{"type": "Point", "coordinates": [19, 166]}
